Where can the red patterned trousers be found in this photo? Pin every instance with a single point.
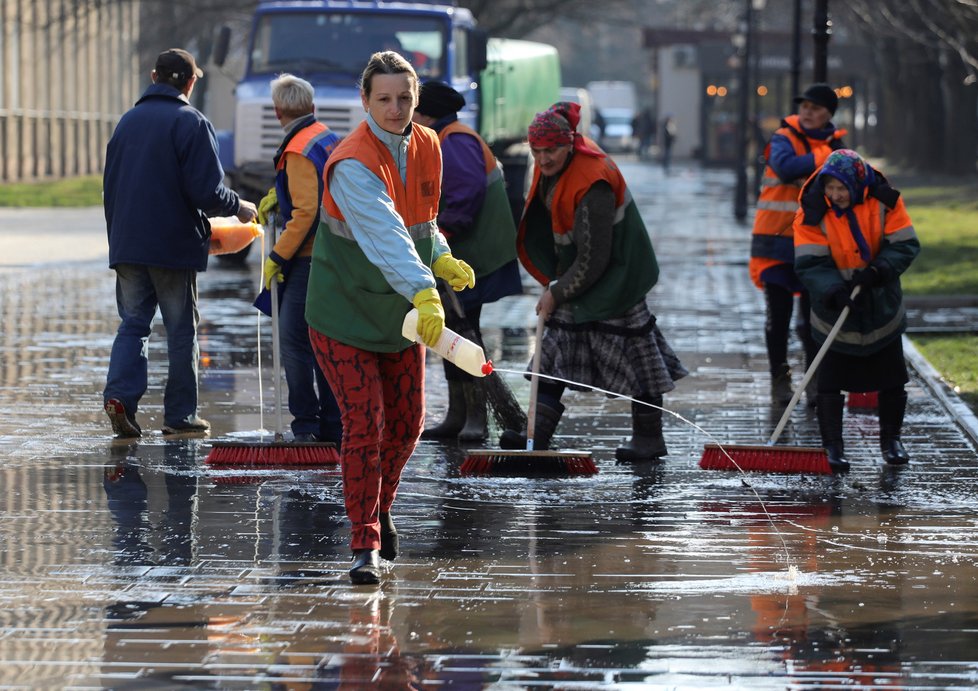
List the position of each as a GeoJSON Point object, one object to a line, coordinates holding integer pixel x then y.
{"type": "Point", "coordinates": [381, 401]}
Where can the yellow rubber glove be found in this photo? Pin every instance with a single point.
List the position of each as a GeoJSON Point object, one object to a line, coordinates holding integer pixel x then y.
{"type": "Point", "coordinates": [457, 273]}
{"type": "Point", "coordinates": [267, 205]}
{"type": "Point", "coordinates": [272, 270]}
{"type": "Point", "coordinates": [431, 315]}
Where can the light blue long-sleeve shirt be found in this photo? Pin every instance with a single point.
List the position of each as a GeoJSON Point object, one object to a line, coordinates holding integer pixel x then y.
{"type": "Point", "coordinates": [376, 226]}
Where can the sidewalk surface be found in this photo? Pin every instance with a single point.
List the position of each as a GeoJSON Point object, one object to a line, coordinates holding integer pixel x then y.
{"type": "Point", "coordinates": [134, 565]}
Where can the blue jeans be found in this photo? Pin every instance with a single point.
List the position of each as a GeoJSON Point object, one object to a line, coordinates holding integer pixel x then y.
{"type": "Point", "coordinates": [312, 413]}
{"type": "Point", "coordinates": [139, 290]}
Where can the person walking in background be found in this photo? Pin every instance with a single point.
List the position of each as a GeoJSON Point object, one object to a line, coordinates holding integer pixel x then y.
{"type": "Point", "coordinates": [378, 251]}
{"type": "Point", "coordinates": [795, 151]}
{"type": "Point", "coordinates": [162, 179]}
{"type": "Point", "coordinates": [670, 130]}
{"type": "Point", "coordinates": [299, 164]}
{"type": "Point", "coordinates": [852, 229]}
{"type": "Point", "coordinates": [582, 238]}
{"type": "Point", "coordinates": [474, 216]}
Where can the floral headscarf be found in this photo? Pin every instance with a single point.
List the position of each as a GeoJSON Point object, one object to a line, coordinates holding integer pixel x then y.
{"type": "Point", "coordinates": [557, 126]}
{"type": "Point", "coordinates": [846, 166]}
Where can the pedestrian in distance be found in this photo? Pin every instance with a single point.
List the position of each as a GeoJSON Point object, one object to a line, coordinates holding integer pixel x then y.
{"type": "Point", "coordinates": [162, 179]}
{"type": "Point", "coordinates": [581, 236]}
{"type": "Point", "coordinates": [295, 199]}
{"type": "Point", "coordinates": [852, 229]}
{"type": "Point", "coordinates": [378, 251]}
{"type": "Point", "coordinates": [474, 216]}
{"type": "Point", "coordinates": [795, 151]}
{"type": "Point", "coordinates": [670, 130]}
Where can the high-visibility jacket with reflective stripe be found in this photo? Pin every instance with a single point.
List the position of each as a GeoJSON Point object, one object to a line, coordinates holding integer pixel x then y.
{"type": "Point", "coordinates": [491, 241]}
{"type": "Point", "coordinates": [826, 255]}
{"type": "Point", "coordinates": [771, 243]}
{"type": "Point", "coordinates": [545, 241]}
{"type": "Point", "coordinates": [349, 299]}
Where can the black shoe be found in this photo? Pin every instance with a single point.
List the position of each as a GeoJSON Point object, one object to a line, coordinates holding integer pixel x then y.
{"type": "Point", "coordinates": [124, 425]}
{"type": "Point", "coordinates": [196, 425]}
{"type": "Point", "coordinates": [837, 464]}
{"type": "Point", "coordinates": [893, 451]}
{"type": "Point", "coordinates": [366, 567]}
{"type": "Point", "coordinates": [389, 542]}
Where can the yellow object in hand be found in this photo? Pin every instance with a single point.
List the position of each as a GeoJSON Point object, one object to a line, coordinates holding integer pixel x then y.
{"type": "Point", "coordinates": [272, 270]}
{"type": "Point", "coordinates": [267, 205]}
{"type": "Point", "coordinates": [457, 273]}
{"type": "Point", "coordinates": [431, 316]}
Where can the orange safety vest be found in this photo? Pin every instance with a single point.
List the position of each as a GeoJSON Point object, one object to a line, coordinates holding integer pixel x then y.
{"type": "Point", "coordinates": [349, 299]}
{"type": "Point", "coordinates": [778, 201]}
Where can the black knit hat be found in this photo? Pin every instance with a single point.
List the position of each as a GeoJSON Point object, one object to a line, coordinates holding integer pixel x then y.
{"type": "Point", "coordinates": [438, 99]}
{"type": "Point", "coordinates": [821, 95]}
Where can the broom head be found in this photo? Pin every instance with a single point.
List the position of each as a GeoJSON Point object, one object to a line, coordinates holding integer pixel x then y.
{"type": "Point", "coordinates": [288, 454]}
{"type": "Point", "coordinates": [765, 458]}
{"type": "Point", "coordinates": [525, 463]}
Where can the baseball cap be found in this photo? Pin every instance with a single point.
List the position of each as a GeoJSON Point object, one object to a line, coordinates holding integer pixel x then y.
{"type": "Point", "coordinates": [177, 64]}
{"type": "Point", "coordinates": [820, 94]}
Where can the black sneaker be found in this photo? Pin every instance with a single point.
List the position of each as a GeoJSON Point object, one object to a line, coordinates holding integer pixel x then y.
{"type": "Point", "coordinates": [124, 425]}
{"type": "Point", "coordinates": [196, 425]}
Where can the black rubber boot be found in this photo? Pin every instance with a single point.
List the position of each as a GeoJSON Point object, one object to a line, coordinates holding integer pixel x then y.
{"type": "Point", "coordinates": [829, 412]}
{"type": "Point", "coordinates": [454, 418]}
{"type": "Point", "coordinates": [389, 542]}
{"type": "Point", "coordinates": [548, 415]}
{"type": "Point", "coordinates": [892, 406]}
{"type": "Point", "coordinates": [475, 428]}
{"type": "Point", "coordinates": [646, 443]}
{"type": "Point", "coordinates": [366, 567]}
{"type": "Point", "coordinates": [781, 392]}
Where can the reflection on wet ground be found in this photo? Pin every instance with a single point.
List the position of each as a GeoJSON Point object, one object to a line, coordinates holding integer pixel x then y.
{"type": "Point", "coordinates": [132, 565]}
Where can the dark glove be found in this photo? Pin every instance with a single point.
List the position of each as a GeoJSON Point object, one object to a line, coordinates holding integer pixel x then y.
{"type": "Point", "coordinates": [838, 297]}
{"type": "Point", "coordinates": [867, 278]}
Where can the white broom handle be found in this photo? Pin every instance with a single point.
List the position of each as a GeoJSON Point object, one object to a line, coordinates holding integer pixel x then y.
{"type": "Point", "coordinates": [531, 413]}
{"type": "Point", "coordinates": [276, 355]}
{"type": "Point", "coordinates": [812, 368]}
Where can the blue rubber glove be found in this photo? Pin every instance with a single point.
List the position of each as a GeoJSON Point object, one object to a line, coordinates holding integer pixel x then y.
{"type": "Point", "coordinates": [431, 315]}
{"type": "Point", "coordinates": [272, 270]}
{"type": "Point", "coordinates": [455, 272]}
{"type": "Point", "coordinates": [267, 205]}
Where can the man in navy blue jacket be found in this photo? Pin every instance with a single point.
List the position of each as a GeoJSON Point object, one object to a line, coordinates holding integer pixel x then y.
{"type": "Point", "coordinates": [162, 179]}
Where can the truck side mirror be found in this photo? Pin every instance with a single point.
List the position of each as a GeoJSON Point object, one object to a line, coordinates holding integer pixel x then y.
{"type": "Point", "coordinates": [222, 42]}
{"type": "Point", "coordinates": [478, 49]}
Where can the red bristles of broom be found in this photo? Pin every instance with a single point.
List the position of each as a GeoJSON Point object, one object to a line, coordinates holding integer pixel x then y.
{"type": "Point", "coordinates": [522, 463]}
{"type": "Point", "coordinates": [273, 453]}
{"type": "Point", "coordinates": [771, 459]}
{"type": "Point", "coordinates": [868, 400]}
{"type": "Point", "coordinates": [779, 459]}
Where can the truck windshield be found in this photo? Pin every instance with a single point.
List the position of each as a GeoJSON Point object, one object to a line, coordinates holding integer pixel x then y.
{"type": "Point", "coordinates": [311, 42]}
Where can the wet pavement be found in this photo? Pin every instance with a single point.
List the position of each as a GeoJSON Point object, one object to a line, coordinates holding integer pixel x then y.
{"type": "Point", "coordinates": [136, 566]}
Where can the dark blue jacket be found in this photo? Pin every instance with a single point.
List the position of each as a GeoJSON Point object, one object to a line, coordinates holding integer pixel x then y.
{"type": "Point", "coordinates": [162, 179]}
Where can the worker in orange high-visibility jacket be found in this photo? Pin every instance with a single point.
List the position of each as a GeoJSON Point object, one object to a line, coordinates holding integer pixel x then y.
{"type": "Point", "coordinates": [852, 230]}
{"type": "Point", "coordinates": [795, 151]}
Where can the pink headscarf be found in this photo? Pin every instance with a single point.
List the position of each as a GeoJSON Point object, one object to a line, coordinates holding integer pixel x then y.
{"type": "Point", "coordinates": [557, 126]}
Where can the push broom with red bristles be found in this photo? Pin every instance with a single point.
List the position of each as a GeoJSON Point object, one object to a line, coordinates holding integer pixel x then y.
{"type": "Point", "coordinates": [779, 459]}
{"type": "Point", "coordinates": [529, 462]}
{"type": "Point", "coordinates": [277, 452]}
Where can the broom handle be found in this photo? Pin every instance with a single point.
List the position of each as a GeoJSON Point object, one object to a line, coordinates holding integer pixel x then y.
{"type": "Point", "coordinates": [276, 355]}
{"type": "Point", "coordinates": [531, 413]}
{"type": "Point", "coordinates": [456, 305]}
{"type": "Point", "coordinates": [811, 369]}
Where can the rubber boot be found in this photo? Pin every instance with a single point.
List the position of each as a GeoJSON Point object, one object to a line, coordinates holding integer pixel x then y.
{"type": "Point", "coordinates": [892, 406]}
{"type": "Point", "coordinates": [454, 418]}
{"type": "Point", "coordinates": [548, 415]}
{"type": "Point", "coordinates": [475, 428]}
{"type": "Point", "coordinates": [646, 443]}
{"type": "Point", "coordinates": [389, 542]}
{"type": "Point", "coordinates": [829, 412]}
{"type": "Point", "coordinates": [781, 392]}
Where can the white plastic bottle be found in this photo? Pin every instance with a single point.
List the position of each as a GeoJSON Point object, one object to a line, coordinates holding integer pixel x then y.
{"type": "Point", "coordinates": [460, 351]}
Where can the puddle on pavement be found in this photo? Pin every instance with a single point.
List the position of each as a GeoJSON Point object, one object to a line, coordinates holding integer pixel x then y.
{"type": "Point", "coordinates": [136, 564]}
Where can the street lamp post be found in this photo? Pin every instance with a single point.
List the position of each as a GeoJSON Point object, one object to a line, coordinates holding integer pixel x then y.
{"type": "Point", "coordinates": [821, 31]}
{"type": "Point", "coordinates": [740, 193]}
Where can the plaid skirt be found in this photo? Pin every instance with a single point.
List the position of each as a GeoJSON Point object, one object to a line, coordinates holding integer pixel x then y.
{"type": "Point", "coordinates": [627, 355]}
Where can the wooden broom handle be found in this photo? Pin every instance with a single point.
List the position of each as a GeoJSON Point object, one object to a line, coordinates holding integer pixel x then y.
{"type": "Point", "coordinates": [531, 413]}
{"type": "Point", "coordinates": [812, 368]}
